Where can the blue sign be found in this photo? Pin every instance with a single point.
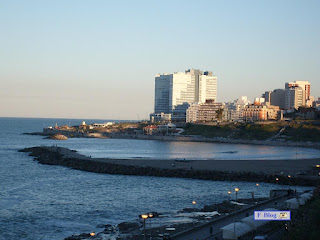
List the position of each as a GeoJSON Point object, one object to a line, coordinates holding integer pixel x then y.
{"type": "Point", "coordinates": [272, 215]}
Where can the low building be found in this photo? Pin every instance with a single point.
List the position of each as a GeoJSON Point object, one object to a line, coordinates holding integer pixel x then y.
{"type": "Point", "coordinates": [150, 130]}
{"type": "Point", "coordinates": [307, 113]}
{"type": "Point", "coordinates": [166, 129]}
{"type": "Point", "coordinates": [233, 112]}
{"type": "Point", "coordinates": [257, 112]}
{"type": "Point", "coordinates": [160, 117]}
{"type": "Point", "coordinates": [193, 113]}
{"type": "Point", "coordinates": [205, 112]}
{"type": "Point", "coordinates": [273, 112]}
{"type": "Point", "coordinates": [102, 125]}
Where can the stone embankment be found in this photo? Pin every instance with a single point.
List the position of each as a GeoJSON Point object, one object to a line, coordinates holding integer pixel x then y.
{"type": "Point", "coordinates": [69, 158]}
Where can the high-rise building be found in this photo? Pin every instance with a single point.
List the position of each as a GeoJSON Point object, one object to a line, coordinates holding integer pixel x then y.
{"type": "Point", "coordinates": [294, 97]}
{"type": "Point", "coordinates": [275, 98]}
{"type": "Point", "coordinates": [305, 85]}
{"type": "Point", "coordinates": [175, 92]}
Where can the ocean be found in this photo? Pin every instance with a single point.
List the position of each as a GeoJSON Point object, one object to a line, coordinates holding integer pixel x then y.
{"type": "Point", "coordinates": [53, 202]}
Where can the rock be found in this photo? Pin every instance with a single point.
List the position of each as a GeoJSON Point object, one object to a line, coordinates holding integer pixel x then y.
{"type": "Point", "coordinates": [78, 237]}
{"type": "Point", "coordinates": [190, 210]}
{"type": "Point", "coordinates": [208, 208]}
{"type": "Point", "coordinates": [126, 226]}
{"type": "Point", "coordinates": [59, 137]}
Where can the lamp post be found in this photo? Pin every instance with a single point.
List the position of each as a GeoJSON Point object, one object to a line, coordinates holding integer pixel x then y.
{"type": "Point", "coordinates": [236, 190]}
{"type": "Point", "coordinates": [257, 184]}
{"type": "Point", "coordinates": [194, 215]}
{"type": "Point", "coordinates": [289, 177]}
{"type": "Point", "coordinates": [150, 215]}
{"type": "Point", "coordinates": [229, 193]}
{"type": "Point", "coordinates": [144, 217]}
{"type": "Point", "coordinates": [234, 224]}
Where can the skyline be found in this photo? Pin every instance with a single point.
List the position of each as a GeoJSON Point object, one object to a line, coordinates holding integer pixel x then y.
{"type": "Point", "coordinates": [98, 60]}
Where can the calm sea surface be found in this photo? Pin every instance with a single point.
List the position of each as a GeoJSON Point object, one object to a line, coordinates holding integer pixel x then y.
{"type": "Point", "coordinates": [53, 202]}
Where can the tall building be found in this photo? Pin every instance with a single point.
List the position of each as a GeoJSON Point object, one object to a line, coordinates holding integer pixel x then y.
{"type": "Point", "coordinates": [305, 85]}
{"type": "Point", "coordinates": [275, 98]}
{"type": "Point", "coordinates": [294, 97]}
{"type": "Point", "coordinates": [175, 92]}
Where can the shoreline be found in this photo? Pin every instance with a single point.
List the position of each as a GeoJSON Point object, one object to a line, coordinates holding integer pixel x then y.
{"type": "Point", "coordinates": [159, 168]}
{"type": "Point", "coordinates": [216, 170]}
{"type": "Point", "coordinates": [179, 138]}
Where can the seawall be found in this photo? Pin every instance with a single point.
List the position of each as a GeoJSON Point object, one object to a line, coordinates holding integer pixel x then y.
{"type": "Point", "coordinates": [70, 158]}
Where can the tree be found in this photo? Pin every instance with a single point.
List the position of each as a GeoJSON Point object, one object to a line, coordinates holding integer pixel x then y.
{"type": "Point", "coordinates": [219, 114]}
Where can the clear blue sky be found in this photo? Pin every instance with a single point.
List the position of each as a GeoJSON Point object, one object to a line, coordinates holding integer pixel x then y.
{"type": "Point", "coordinates": [97, 59]}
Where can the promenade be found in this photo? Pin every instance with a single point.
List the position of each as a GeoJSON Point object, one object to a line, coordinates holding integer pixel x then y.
{"type": "Point", "coordinates": [211, 230]}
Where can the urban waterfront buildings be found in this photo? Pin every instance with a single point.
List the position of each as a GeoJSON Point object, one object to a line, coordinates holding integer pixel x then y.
{"type": "Point", "coordinates": [205, 112]}
{"type": "Point", "coordinates": [190, 96]}
{"type": "Point", "coordinates": [175, 92]}
{"type": "Point", "coordinates": [297, 94]}
{"type": "Point", "coordinates": [275, 98]}
{"type": "Point", "coordinates": [294, 97]}
{"type": "Point", "coordinates": [258, 112]}
{"type": "Point", "coordinates": [305, 85]}
{"type": "Point", "coordinates": [233, 112]}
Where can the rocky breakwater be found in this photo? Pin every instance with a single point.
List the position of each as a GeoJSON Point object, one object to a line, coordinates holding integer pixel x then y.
{"type": "Point", "coordinates": [59, 137]}
{"type": "Point", "coordinates": [70, 158]}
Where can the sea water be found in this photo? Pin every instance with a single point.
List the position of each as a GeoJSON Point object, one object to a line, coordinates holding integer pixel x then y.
{"type": "Point", "coordinates": [53, 202]}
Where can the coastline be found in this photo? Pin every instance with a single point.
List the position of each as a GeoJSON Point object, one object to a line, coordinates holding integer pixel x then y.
{"type": "Point", "coordinates": [216, 170]}
{"type": "Point", "coordinates": [230, 170]}
{"type": "Point", "coordinates": [182, 138]}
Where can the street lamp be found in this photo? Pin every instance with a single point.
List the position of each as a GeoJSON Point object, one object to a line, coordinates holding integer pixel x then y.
{"type": "Point", "coordinates": [144, 217]}
{"type": "Point", "coordinates": [150, 215]}
{"type": "Point", "coordinates": [257, 184]}
{"type": "Point", "coordinates": [237, 190]}
{"type": "Point", "coordinates": [234, 224]}
{"type": "Point", "coordinates": [194, 215]}
{"type": "Point", "coordinates": [229, 192]}
{"type": "Point", "coordinates": [92, 234]}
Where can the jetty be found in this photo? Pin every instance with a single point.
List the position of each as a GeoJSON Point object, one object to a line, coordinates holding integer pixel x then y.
{"type": "Point", "coordinates": [271, 171]}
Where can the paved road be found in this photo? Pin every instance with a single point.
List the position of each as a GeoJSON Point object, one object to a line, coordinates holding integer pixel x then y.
{"type": "Point", "coordinates": [211, 230]}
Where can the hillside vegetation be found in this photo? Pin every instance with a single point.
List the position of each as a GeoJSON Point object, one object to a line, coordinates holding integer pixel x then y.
{"type": "Point", "coordinates": [293, 131]}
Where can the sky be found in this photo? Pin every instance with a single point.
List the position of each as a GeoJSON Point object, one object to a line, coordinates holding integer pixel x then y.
{"type": "Point", "coordinates": [98, 59]}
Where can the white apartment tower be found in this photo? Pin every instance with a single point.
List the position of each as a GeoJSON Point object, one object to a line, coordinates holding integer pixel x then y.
{"type": "Point", "coordinates": [296, 94]}
{"type": "Point", "coordinates": [175, 92]}
{"type": "Point", "coordinates": [294, 97]}
{"type": "Point", "coordinates": [305, 85]}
